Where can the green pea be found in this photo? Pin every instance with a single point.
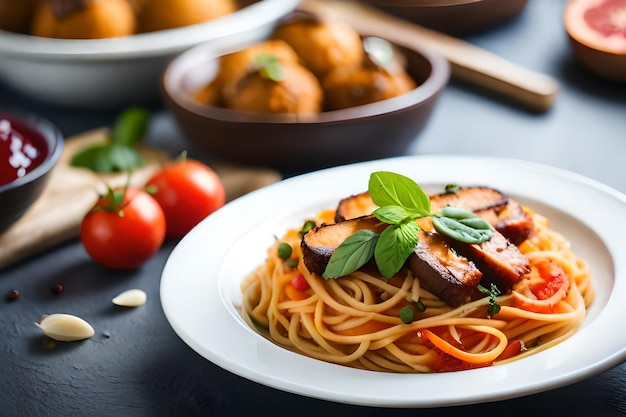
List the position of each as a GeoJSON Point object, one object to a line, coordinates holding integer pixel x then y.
{"type": "Point", "coordinates": [284, 250]}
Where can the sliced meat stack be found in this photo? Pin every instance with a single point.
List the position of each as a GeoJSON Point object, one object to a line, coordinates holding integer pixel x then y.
{"type": "Point", "coordinates": [449, 269]}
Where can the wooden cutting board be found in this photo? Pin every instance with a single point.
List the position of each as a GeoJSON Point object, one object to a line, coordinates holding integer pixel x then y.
{"type": "Point", "coordinates": [56, 216]}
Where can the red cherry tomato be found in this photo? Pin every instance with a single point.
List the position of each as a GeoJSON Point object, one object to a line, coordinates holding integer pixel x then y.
{"type": "Point", "coordinates": [300, 283]}
{"type": "Point", "coordinates": [124, 229]}
{"type": "Point", "coordinates": [188, 191]}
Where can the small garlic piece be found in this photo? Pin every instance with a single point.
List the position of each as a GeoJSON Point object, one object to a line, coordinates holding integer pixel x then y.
{"type": "Point", "coordinates": [65, 327]}
{"type": "Point", "coordinates": [131, 298]}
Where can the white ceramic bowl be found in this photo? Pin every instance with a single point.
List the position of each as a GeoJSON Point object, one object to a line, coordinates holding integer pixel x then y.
{"type": "Point", "coordinates": [114, 72]}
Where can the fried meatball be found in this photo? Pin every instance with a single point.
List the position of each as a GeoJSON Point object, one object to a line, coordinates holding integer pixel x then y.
{"type": "Point", "coordinates": [349, 87]}
{"type": "Point", "coordinates": [138, 5]}
{"type": "Point", "coordinates": [235, 66]}
{"type": "Point", "coordinates": [83, 19]}
{"type": "Point", "coordinates": [15, 15]}
{"type": "Point", "coordinates": [168, 14]}
{"type": "Point", "coordinates": [322, 45]}
{"type": "Point", "coordinates": [298, 92]}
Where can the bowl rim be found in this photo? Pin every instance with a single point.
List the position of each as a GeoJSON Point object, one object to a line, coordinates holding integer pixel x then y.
{"type": "Point", "coordinates": [54, 139]}
{"type": "Point", "coordinates": [149, 44]}
{"type": "Point", "coordinates": [205, 52]}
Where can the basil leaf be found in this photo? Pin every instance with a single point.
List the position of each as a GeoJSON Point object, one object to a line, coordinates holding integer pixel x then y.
{"type": "Point", "coordinates": [462, 225]}
{"type": "Point", "coordinates": [269, 66]}
{"type": "Point", "coordinates": [391, 189]}
{"type": "Point", "coordinates": [131, 126]}
{"type": "Point", "coordinates": [457, 213]}
{"type": "Point", "coordinates": [353, 253]}
{"type": "Point", "coordinates": [394, 246]}
{"type": "Point", "coordinates": [94, 157]}
{"type": "Point", "coordinates": [392, 214]}
{"type": "Point", "coordinates": [124, 158]}
{"type": "Point", "coordinates": [105, 157]}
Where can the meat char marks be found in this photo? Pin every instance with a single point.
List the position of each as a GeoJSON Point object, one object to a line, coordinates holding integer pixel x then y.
{"type": "Point", "coordinates": [449, 269]}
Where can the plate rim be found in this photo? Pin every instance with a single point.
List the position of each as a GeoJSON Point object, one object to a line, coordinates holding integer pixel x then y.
{"type": "Point", "coordinates": [281, 380]}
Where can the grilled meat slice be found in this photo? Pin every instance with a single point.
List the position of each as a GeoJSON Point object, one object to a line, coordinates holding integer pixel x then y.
{"type": "Point", "coordinates": [469, 198]}
{"type": "Point", "coordinates": [510, 220]}
{"type": "Point", "coordinates": [499, 260]}
{"type": "Point", "coordinates": [443, 272]}
{"type": "Point", "coordinates": [319, 243]}
{"type": "Point", "coordinates": [356, 205]}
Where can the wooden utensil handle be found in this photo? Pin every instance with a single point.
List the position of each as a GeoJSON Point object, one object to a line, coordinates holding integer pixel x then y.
{"type": "Point", "coordinates": [468, 62]}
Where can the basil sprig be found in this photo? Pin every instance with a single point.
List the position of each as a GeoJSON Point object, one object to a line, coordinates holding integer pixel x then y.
{"type": "Point", "coordinates": [493, 292]}
{"type": "Point", "coordinates": [400, 201]}
{"type": "Point", "coordinates": [119, 152]}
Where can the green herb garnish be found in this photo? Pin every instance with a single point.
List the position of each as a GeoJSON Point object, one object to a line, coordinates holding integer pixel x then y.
{"type": "Point", "coordinates": [492, 293]}
{"type": "Point", "coordinates": [400, 202]}
{"type": "Point", "coordinates": [307, 227]}
{"type": "Point", "coordinates": [452, 188]}
{"type": "Point", "coordinates": [119, 152]}
{"type": "Point", "coordinates": [269, 66]}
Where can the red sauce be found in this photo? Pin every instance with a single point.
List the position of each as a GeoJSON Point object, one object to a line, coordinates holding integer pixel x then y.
{"type": "Point", "coordinates": [22, 149]}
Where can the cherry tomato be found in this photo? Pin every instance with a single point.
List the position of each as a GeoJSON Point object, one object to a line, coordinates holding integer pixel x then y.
{"type": "Point", "coordinates": [188, 191]}
{"type": "Point", "coordinates": [125, 229]}
{"type": "Point", "coordinates": [300, 283]}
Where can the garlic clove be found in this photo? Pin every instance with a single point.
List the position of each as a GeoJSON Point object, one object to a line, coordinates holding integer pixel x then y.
{"type": "Point", "coordinates": [65, 327]}
{"type": "Point", "coordinates": [131, 298]}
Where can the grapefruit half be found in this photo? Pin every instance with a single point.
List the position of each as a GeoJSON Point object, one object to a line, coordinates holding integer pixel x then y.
{"type": "Point", "coordinates": [597, 31]}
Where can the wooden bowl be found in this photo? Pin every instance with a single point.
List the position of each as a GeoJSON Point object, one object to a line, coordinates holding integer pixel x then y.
{"type": "Point", "coordinates": [452, 16]}
{"type": "Point", "coordinates": [377, 130]}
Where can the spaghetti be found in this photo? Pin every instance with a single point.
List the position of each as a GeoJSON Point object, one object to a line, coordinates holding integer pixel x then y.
{"type": "Point", "coordinates": [356, 320]}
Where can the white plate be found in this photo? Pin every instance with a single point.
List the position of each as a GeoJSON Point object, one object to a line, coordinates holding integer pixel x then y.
{"type": "Point", "coordinates": [200, 283]}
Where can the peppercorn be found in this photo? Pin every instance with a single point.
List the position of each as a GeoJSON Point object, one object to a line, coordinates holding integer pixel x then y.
{"type": "Point", "coordinates": [12, 295]}
{"type": "Point", "coordinates": [57, 288]}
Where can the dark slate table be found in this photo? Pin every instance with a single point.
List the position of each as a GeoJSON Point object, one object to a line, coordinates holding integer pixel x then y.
{"type": "Point", "coordinates": [135, 365]}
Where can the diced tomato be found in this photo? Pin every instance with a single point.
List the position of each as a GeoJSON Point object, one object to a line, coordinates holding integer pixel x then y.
{"type": "Point", "coordinates": [514, 348]}
{"type": "Point", "coordinates": [554, 279]}
{"type": "Point", "coordinates": [299, 283]}
{"type": "Point", "coordinates": [547, 289]}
